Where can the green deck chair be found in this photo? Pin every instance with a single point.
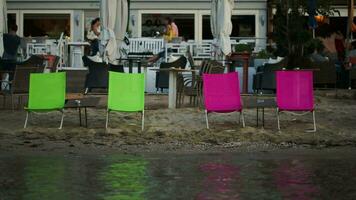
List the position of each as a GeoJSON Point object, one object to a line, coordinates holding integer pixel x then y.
{"type": "Point", "coordinates": [47, 93]}
{"type": "Point", "coordinates": [126, 94]}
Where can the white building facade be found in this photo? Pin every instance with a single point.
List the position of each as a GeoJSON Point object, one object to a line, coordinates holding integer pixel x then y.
{"type": "Point", "coordinates": [50, 17]}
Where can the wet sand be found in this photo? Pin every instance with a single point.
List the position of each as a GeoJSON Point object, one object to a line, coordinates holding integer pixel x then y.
{"type": "Point", "coordinates": [181, 130]}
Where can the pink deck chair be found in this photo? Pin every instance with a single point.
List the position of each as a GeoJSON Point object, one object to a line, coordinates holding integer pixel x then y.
{"type": "Point", "coordinates": [295, 93]}
{"type": "Point", "coordinates": [222, 94]}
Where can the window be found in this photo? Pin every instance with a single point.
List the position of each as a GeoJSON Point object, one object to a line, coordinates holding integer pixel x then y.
{"type": "Point", "coordinates": [51, 25]}
{"type": "Point", "coordinates": [243, 26]}
{"type": "Point", "coordinates": [154, 23]}
{"type": "Point", "coordinates": [11, 20]}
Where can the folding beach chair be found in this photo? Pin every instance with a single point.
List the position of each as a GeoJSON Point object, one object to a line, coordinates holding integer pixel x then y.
{"type": "Point", "coordinates": [126, 94]}
{"type": "Point", "coordinates": [295, 94]}
{"type": "Point", "coordinates": [47, 93]}
{"type": "Point", "coordinates": [221, 94]}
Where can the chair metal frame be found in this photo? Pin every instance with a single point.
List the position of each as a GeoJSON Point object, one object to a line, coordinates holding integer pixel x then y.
{"type": "Point", "coordinates": [142, 119]}
{"type": "Point", "coordinates": [28, 113]}
{"type": "Point", "coordinates": [296, 114]}
{"type": "Point", "coordinates": [241, 118]}
{"type": "Point", "coordinates": [44, 110]}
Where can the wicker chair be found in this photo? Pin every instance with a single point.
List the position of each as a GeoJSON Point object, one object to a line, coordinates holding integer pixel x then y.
{"type": "Point", "coordinates": [325, 74]}
{"type": "Point", "coordinates": [193, 87]}
{"type": "Point", "coordinates": [19, 85]}
{"type": "Point", "coordinates": [162, 78]}
{"type": "Point", "coordinates": [98, 75]}
{"type": "Point", "coordinates": [265, 78]}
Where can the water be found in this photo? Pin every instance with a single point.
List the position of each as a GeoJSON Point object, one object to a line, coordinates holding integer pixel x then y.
{"type": "Point", "coordinates": [279, 175]}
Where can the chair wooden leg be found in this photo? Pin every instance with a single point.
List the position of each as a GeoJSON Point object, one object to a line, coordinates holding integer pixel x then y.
{"type": "Point", "coordinates": [143, 120]}
{"type": "Point", "coordinates": [12, 103]}
{"type": "Point", "coordinates": [26, 120]}
{"type": "Point", "coordinates": [4, 102]}
{"type": "Point", "coordinates": [62, 119]}
{"type": "Point", "coordinates": [314, 123]}
{"type": "Point", "coordinates": [278, 122]}
{"type": "Point", "coordinates": [107, 119]}
{"type": "Point", "coordinates": [19, 102]}
{"type": "Point", "coordinates": [243, 119]}
{"type": "Point", "coordinates": [182, 100]}
{"type": "Point", "coordinates": [206, 119]}
{"type": "Point", "coordinates": [239, 117]}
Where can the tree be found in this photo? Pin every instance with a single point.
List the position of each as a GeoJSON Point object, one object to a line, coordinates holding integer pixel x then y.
{"type": "Point", "coordinates": [291, 31]}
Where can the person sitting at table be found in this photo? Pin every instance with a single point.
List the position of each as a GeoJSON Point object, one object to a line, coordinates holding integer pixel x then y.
{"type": "Point", "coordinates": [317, 55]}
{"type": "Point", "coordinates": [162, 54]}
{"type": "Point", "coordinates": [351, 53]}
{"type": "Point", "coordinates": [93, 36]}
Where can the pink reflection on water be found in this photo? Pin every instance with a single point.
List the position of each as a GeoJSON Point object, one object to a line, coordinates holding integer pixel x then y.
{"type": "Point", "coordinates": [220, 182]}
{"type": "Point", "coordinates": [293, 180]}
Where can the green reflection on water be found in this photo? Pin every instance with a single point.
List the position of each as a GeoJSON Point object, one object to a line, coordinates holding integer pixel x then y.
{"type": "Point", "coordinates": [125, 179]}
{"type": "Point", "coordinates": [44, 179]}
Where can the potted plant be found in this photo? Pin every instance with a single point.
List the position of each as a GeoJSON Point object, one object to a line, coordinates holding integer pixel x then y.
{"type": "Point", "coordinates": [261, 58]}
{"type": "Point", "coordinates": [243, 49]}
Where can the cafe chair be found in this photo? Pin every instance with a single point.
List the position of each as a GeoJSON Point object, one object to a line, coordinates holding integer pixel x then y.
{"type": "Point", "coordinates": [295, 94]}
{"type": "Point", "coordinates": [17, 85]}
{"type": "Point", "coordinates": [47, 93]}
{"type": "Point", "coordinates": [162, 77]}
{"type": "Point", "coordinates": [126, 94]}
{"type": "Point", "coordinates": [97, 77]}
{"type": "Point", "coordinates": [221, 93]}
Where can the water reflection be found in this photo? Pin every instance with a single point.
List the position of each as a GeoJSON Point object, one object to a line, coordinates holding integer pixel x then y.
{"type": "Point", "coordinates": [294, 181]}
{"type": "Point", "coordinates": [201, 177]}
{"type": "Point", "coordinates": [222, 181]}
{"type": "Point", "coordinates": [125, 179]}
{"type": "Point", "coordinates": [44, 179]}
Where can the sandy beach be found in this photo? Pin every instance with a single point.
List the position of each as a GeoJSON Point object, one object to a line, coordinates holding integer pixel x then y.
{"type": "Point", "coordinates": [180, 130]}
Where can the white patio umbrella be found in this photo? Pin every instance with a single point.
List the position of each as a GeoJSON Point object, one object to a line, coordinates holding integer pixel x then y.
{"type": "Point", "coordinates": [221, 25]}
{"type": "Point", "coordinates": [114, 17]}
{"type": "Point", "coordinates": [3, 24]}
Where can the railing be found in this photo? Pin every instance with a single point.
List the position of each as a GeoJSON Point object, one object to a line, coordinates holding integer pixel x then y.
{"type": "Point", "coordinates": [257, 43]}
{"type": "Point", "coordinates": [139, 45]}
{"type": "Point", "coordinates": [38, 49]}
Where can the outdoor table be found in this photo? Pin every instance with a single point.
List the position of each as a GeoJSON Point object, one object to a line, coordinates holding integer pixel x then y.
{"type": "Point", "coordinates": [260, 103]}
{"type": "Point", "coordinates": [245, 59]}
{"type": "Point", "coordinates": [172, 88]}
{"type": "Point", "coordinates": [138, 57]}
{"type": "Point", "coordinates": [76, 55]}
{"type": "Point", "coordinates": [82, 103]}
{"type": "Point", "coordinates": [140, 54]}
{"type": "Point", "coordinates": [131, 61]}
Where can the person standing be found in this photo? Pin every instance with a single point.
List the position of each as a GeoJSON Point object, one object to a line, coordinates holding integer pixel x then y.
{"type": "Point", "coordinates": [11, 45]}
{"type": "Point", "coordinates": [168, 32]}
{"type": "Point", "coordinates": [175, 29]}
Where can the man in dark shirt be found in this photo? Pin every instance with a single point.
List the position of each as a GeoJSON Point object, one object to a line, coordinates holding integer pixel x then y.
{"type": "Point", "coordinates": [11, 44]}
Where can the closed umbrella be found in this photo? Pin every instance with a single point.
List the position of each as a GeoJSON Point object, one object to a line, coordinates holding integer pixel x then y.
{"type": "Point", "coordinates": [221, 25]}
{"type": "Point", "coordinates": [350, 25]}
{"type": "Point", "coordinates": [114, 17]}
{"type": "Point", "coordinates": [3, 24]}
{"type": "Point", "coordinates": [312, 13]}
